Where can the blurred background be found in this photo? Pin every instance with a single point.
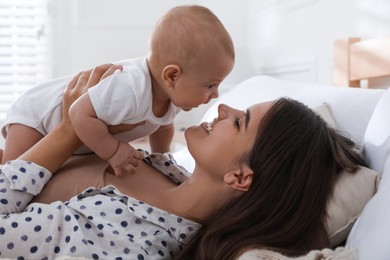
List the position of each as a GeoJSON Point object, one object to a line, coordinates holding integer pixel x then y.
{"type": "Point", "coordinates": [289, 39]}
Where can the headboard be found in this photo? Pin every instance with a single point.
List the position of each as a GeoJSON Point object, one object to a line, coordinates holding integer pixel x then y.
{"type": "Point", "coordinates": [356, 60]}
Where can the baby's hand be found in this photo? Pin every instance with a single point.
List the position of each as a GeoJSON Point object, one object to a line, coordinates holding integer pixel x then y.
{"type": "Point", "coordinates": [125, 159]}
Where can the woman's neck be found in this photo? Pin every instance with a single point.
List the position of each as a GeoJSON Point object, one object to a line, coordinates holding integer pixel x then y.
{"type": "Point", "coordinates": [196, 198]}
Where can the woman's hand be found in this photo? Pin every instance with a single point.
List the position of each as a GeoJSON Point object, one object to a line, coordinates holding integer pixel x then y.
{"type": "Point", "coordinates": [52, 150]}
{"type": "Point", "coordinates": [82, 82]}
{"type": "Point", "coordinates": [85, 80]}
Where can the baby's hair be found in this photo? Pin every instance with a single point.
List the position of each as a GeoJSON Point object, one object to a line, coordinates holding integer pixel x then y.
{"type": "Point", "coordinates": [183, 34]}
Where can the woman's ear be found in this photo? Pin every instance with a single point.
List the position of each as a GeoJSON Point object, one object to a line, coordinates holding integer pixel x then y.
{"type": "Point", "coordinates": [239, 179]}
{"type": "Point", "coordinates": [170, 74]}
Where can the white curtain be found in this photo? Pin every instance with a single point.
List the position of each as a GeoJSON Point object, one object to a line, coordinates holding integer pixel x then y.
{"type": "Point", "coordinates": [24, 48]}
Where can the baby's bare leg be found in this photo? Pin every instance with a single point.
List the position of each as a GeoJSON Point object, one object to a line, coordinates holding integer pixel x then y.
{"type": "Point", "coordinates": [19, 139]}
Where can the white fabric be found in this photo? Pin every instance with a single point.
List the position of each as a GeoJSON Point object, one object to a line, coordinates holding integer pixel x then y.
{"type": "Point", "coordinates": [340, 253]}
{"type": "Point", "coordinates": [370, 233]}
{"type": "Point", "coordinates": [124, 97]}
{"type": "Point", "coordinates": [323, 111]}
{"type": "Point", "coordinates": [350, 195]}
{"type": "Point", "coordinates": [38, 107]}
{"type": "Point", "coordinates": [377, 136]}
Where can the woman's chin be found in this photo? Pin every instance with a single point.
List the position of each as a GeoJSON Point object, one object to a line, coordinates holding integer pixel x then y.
{"type": "Point", "coordinates": [195, 132]}
{"type": "Point", "coordinates": [194, 135]}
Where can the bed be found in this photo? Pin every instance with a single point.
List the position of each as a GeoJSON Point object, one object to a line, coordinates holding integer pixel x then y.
{"type": "Point", "coordinates": [362, 113]}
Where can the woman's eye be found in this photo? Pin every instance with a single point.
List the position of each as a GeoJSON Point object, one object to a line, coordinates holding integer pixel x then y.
{"type": "Point", "coordinates": [237, 123]}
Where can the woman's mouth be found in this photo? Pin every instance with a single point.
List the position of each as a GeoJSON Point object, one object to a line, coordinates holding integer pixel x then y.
{"type": "Point", "coordinates": [209, 127]}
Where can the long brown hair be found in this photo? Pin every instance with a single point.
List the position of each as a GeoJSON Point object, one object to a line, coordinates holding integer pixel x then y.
{"type": "Point", "coordinates": [296, 158]}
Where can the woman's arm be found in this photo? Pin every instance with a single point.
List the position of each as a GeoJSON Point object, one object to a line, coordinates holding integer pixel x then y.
{"type": "Point", "coordinates": [20, 180]}
{"type": "Point", "coordinates": [52, 150]}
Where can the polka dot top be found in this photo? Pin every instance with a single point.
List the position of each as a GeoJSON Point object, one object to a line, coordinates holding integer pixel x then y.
{"type": "Point", "coordinates": [96, 224]}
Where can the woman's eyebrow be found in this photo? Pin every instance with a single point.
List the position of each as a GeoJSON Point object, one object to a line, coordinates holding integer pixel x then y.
{"type": "Point", "coordinates": [247, 117]}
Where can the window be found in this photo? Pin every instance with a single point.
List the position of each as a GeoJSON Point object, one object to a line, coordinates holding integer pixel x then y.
{"type": "Point", "coordinates": [24, 48]}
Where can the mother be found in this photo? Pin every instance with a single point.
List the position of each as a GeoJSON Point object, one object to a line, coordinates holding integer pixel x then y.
{"type": "Point", "coordinates": [262, 180]}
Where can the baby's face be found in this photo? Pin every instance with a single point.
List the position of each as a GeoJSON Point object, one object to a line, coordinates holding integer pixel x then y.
{"type": "Point", "coordinates": [200, 85]}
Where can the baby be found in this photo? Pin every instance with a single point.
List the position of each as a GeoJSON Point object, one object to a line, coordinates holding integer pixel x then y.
{"type": "Point", "coordinates": [190, 54]}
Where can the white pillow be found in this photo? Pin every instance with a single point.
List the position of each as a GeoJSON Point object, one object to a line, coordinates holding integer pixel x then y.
{"type": "Point", "coordinates": [323, 111]}
{"type": "Point", "coordinates": [350, 194]}
{"type": "Point", "coordinates": [371, 232]}
{"type": "Point", "coordinates": [377, 136]}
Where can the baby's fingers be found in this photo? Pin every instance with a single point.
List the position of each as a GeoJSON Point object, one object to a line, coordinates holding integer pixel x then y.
{"type": "Point", "coordinates": [129, 169]}
{"type": "Point", "coordinates": [118, 171]}
{"type": "Point", "coordinates": [138, 155]}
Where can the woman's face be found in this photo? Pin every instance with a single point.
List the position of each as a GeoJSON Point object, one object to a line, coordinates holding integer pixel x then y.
{"type": "Point", "coordinates": [217, 146]}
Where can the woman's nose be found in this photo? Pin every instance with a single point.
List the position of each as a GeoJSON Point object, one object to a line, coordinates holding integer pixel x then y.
{"type": "Point", "coordinates": [222, 111]}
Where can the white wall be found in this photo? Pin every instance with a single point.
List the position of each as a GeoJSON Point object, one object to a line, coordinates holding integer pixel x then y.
{"type": "Point", "coordinates": [92, 32]}
{"type": "Point", "coordinates": [293, 39]}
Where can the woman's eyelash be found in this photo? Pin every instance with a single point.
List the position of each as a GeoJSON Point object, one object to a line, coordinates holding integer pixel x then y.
{"type": "Point", "coordinates": [237, 122]}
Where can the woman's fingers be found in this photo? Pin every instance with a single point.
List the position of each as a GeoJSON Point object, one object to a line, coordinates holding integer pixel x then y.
{"type": "Point", "coordinates": [68, 99]}
{"type": "Point", "coordinates": [83, 80]}
{"type": "Point", "coordinates": [75, 89]}
{"type": "Point", "coordinates": [101, 72]}
{"type": "Point", "coordinates": [86, 79]}
{"type": "Point", "coordinates": [73, 82]}
{"type": "Point", "coordinates": [111, 71]}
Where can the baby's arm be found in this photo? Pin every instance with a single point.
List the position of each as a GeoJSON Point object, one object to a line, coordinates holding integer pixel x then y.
{"type": "Point", "coordinates": [94, 133]}
{"type": "Point", "coordinates": [160, 140]}
{"type": "Point", "coordinates": [91, 130]}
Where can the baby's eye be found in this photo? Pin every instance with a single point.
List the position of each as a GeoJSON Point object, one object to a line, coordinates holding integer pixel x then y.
{"type": "Point", "coordinates": [237, 123]}
{"type": "Point", "coordinates": [212, 86]}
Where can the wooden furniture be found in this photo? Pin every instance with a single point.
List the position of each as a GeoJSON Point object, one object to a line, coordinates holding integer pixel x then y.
{"type": "Point", "coordinates": [356, 60]}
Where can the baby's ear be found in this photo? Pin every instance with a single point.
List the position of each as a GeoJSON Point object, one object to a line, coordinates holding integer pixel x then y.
{"type": "Point", "coordinates": [170, 74]}
{"type": "Point", "coordinates": [239, 179]}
